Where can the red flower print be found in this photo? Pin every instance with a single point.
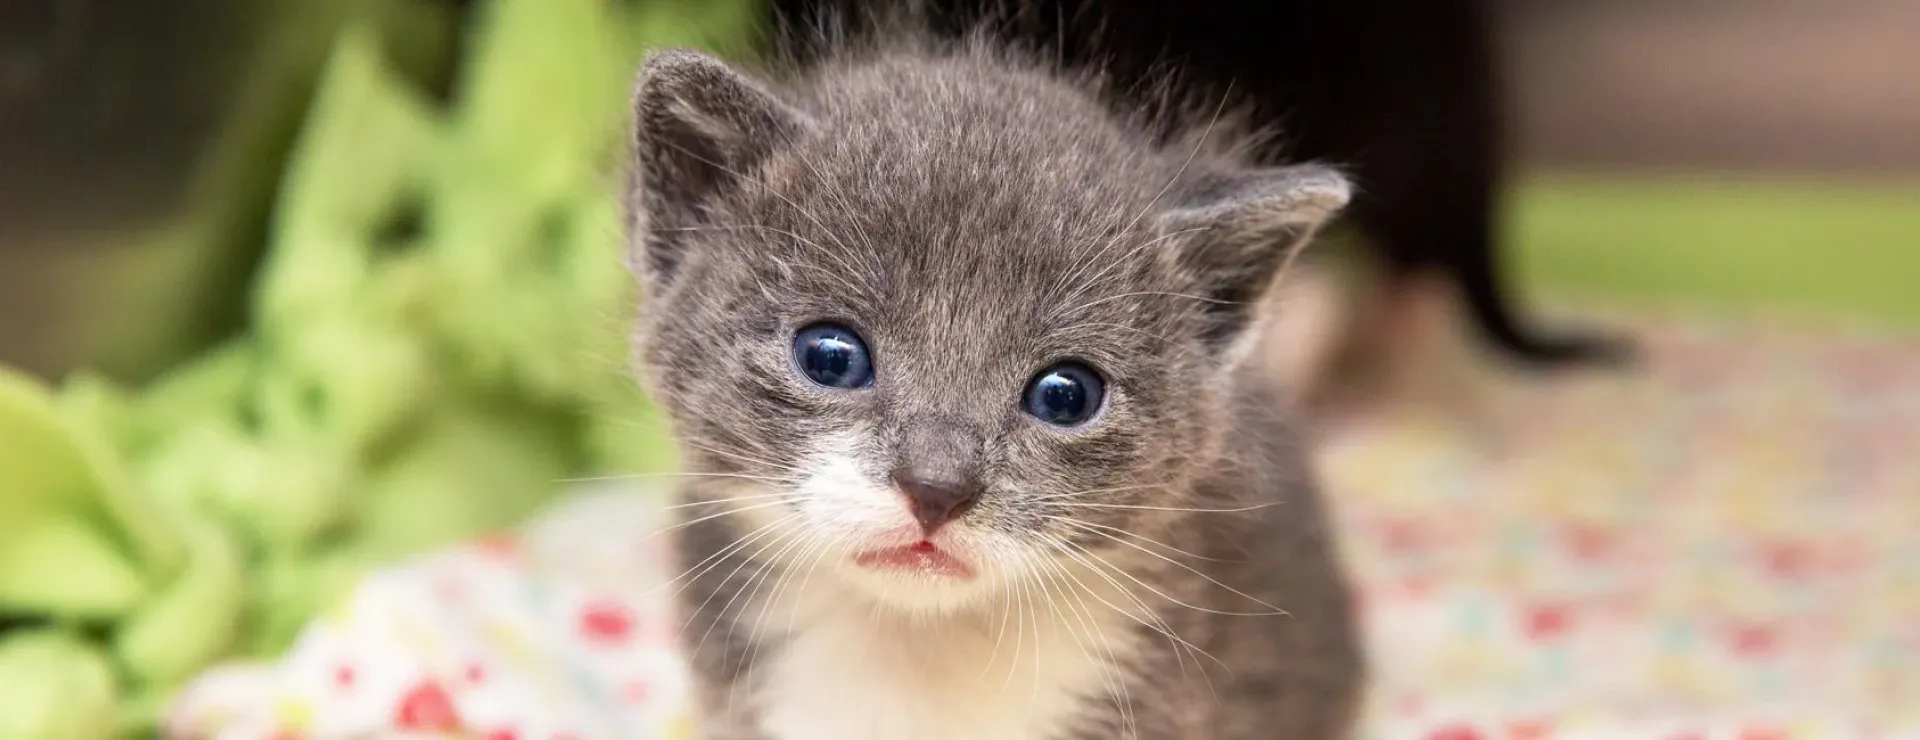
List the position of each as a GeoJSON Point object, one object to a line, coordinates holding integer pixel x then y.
{"type": "Point", "coordinates": [1588, 542]}
{"type": "Point", "coordinates": [1456, 732]}
{"type": "Point", "coordinates": [1547, 621]}
{"type": "Point", "coordinates": [1529, 730]}
{"type": "Point", "coordinates": [636, 692]}
{"type": "Point", "coordinates": [476, 673]}
{"type": "Point", "coordinates": [1405, 537]}
{"type": "Point", "coordinates": [503, 733]}
{"type": "Point", "coordinates": [609, 624]}
{"type": "Point", "coordinates": [1753, 640]}
{"type": "Point", "coordinates": [426, 708]}
{"type": "Point", "coordinates": [450, 591]}
{"type": "Point", "coordinates": [1787, 560]}
{"type": "Point", "coordinates": [498, 544]}
{"type": "Point", "coordinates": [1762, 733]}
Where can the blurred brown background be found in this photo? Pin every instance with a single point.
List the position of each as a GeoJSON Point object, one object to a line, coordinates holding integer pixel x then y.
{"type": "Point", "coordinates": [1827, 86]}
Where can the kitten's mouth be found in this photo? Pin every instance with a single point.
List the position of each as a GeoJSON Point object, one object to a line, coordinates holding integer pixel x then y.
{"type": "Point", "coordinates": [923, 557]}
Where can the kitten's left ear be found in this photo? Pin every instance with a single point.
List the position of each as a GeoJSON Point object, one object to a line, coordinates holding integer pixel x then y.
{"type": "Point", "coordinates": [1232, 232]}
{"type": "Point", "coordinates": [700, 129]}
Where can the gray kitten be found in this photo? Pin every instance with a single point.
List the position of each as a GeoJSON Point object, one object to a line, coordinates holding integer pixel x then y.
{"type": "Point", "coordinates": [958, 358]}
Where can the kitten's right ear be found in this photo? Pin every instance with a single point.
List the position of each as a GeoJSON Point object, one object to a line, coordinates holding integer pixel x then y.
{"type": "Point", "coordinates": [1240, 229]}
{"type": "Point", "coordinates": [700, 129]}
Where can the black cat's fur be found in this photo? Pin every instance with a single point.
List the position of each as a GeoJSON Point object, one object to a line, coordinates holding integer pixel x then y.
{"type": "Point", "coordinates": [1403, 94]}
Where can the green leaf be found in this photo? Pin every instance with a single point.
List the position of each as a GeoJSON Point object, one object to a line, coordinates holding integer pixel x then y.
{"type": "Point", "coordinates": [57, 688]}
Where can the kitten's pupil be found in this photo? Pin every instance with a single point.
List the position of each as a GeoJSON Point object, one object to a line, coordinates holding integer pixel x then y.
{"type": "Point", "coordinates": [1064, 395]}
{"type": "Point", "coordinates": [833, 356]}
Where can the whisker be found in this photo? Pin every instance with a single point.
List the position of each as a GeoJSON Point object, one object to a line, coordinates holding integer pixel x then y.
{"type": "Point", "coordinates": [710, 517]}
{"type": "Point", "coordinates": [1277, 611]}
{"type": "Point", "coordinates": [1118, 531]}
{"type": "Point", "coordinates": [1143, 507]}
{"type": "Point", "coordinates": [1184, 650]}
{"type": "Point", "coordinates": [757, 630]}
{"type": "Point", "coordinates": [1019, 640]}
{"type": "Point", "coordinates": [728, 500]}
{"type": "Point", "coordinates": [1033, 613]}
{"type": "Point", "coordinates": [999, 636]}
{"type": "Point", "coordinates": [761, 568]}
{"type": "Point", "coordinates": [1093, 563]}
{"type": "Point", "coordinates": [777, 562]}
{"type": "Point", "coordinates": [671, 476]}
{"type": "Point", "coordinates": [734, 456]}
{"type": "Point", "coordinates": [1138, 293]}
{"type": "Point", "coordinates": [718, 557]}
{"type": "Point", "coordinates": [816, 553]}
{"type": "Point", "coordinates": [1093, 491]}
{"type": "Point", "coordinates": [1109, 668]}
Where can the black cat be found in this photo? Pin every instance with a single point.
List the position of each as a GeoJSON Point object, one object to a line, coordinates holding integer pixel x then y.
{"type": "Point", "coordinates": [1404, 94]}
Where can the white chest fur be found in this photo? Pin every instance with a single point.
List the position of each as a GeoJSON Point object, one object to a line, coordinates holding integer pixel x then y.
{"type": "Point", "coordinates": [848, 672]}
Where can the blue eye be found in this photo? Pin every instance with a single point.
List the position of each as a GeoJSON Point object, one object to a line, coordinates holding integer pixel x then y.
{"type": "Point", "coordinates": [833, 356]}
{"type": "Point", "coordinates": [1065, 395]}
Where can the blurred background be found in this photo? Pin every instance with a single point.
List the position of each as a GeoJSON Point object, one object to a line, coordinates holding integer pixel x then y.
{"type": "Point", "coordinates": [125, 124]}
{"type": "Point", "coordinates": [300, 287]}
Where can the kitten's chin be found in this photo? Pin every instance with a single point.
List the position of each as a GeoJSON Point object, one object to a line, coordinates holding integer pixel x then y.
{"type": "Point", "coordinates": [915, 591]}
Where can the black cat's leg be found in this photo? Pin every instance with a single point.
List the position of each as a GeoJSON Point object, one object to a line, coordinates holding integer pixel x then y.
{"type": "Point", "coordinates": [1435, 186]}
{"type": "Point", "coordinates": [1477, 272]}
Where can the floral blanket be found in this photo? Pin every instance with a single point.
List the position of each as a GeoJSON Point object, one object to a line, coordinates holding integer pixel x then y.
{"type": "Point", "coordinates": [1722, 545]}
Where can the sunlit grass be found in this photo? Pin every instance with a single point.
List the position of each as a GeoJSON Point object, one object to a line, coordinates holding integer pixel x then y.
{"type": "Point", "coordinates": [1722, 244]}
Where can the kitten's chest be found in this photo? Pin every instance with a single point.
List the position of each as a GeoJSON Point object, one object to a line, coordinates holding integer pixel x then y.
{"type": "Point", "coordinates": [844, 677]}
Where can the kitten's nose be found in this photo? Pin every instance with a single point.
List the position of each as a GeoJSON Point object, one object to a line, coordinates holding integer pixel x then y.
{"type": "Point", "coordinates": [936, 499]}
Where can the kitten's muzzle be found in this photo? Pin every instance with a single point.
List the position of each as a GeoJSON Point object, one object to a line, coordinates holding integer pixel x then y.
{"type": "Point", "coordinates": [936, 499]}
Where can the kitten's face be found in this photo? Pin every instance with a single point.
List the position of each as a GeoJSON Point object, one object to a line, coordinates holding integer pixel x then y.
{"type": "Point", "coordinates": [936, 366]}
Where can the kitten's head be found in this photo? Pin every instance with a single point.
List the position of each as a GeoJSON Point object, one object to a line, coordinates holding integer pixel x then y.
{"type": "Point", "coordinates": [933, 324]}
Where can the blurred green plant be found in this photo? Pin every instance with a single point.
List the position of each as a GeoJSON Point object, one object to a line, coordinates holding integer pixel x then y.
{"type": "Point", "coordinates": [436, 341]}
{"type": "Point", "coordinates": [182, 284]}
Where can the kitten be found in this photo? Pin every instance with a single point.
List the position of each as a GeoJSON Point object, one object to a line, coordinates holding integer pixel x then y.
{"type": "Point", "coordinates": [1405, 93]}
{"type": "Point", "coordinates": [953, 351]}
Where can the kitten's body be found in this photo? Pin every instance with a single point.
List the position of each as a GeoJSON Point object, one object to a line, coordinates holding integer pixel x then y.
{"type": "Point", "coordinates": [978, 220]}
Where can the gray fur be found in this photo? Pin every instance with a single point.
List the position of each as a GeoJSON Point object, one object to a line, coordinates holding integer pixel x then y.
{"type": "Point", "coordinates": [978, 217]}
